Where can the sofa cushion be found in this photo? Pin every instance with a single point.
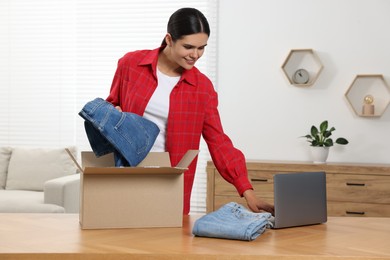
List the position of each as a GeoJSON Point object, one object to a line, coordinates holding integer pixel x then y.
{"type": "Point", "coordinates": [5, 154]}
{"type": "Point", "coordinates": [22, 201]}
{"type": "Point", "coordinates": [30, 168]}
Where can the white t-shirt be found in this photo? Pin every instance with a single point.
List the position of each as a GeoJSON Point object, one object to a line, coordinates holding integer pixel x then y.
{"type": "Point", "coordinates": [158, 107]}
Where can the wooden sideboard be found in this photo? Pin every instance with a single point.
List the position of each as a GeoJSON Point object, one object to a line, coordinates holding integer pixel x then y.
{"type": "Point", "coordinates": [352, 189]}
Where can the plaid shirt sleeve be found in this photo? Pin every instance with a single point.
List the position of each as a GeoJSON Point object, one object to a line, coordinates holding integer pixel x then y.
{"type": "Point", "coordinates": [229, 161]}
{"type": "Point", "coordinates": [194, 112]}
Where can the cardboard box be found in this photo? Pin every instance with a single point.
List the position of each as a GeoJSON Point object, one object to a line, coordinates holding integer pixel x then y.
{"type": "Point", "coordinates": [149, 195]}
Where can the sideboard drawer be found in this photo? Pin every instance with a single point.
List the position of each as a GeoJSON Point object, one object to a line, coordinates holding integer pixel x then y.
{"type": "Point", "coordinates": [262, 183]}
{"type": "Point", "coordinates": [358, 188]}
{"type": "Point", "coordinates": [358, 209]}
{"type": "Point", "coordinates": [222, 187]}
{"type": "Point", "coordinates": [261, 176]}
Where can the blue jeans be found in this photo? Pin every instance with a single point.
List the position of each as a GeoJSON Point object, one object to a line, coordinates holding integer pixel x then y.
{"type": "Point", "coordinates": [129, 136]}
{"type": "Point", "coordinates": [232, 221]}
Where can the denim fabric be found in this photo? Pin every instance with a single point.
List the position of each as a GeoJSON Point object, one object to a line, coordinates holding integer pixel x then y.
{"type": "Point", "coordinates": [129, 136]}
{"type": "Point", "coordinates": [232, 221]}
{"type": "Point", "coordinates": [101, 146]}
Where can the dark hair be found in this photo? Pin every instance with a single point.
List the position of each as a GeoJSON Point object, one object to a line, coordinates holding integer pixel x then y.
{"type": "Point", "coordinates": [186, 21]}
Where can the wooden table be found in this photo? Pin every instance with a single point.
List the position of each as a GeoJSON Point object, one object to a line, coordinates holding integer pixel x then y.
{"type": "Point", "coordinates": [58, 236]}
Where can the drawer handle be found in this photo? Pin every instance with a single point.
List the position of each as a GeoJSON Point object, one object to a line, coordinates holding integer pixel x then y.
{"type": "Point", "coordinates": [355, 212]}
{"type": "Point", "coordinates": [259, 180]}
{"type": "Point", "coordinates": [355, 184]}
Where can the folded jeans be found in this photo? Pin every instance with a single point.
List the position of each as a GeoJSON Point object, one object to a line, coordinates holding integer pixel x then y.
{"type": "Point", "coordinates": [233, 221]}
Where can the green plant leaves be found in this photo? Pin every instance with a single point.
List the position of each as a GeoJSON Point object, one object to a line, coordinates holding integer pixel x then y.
{"type": "Point", "coordinates": [342, 141]}
{"type": "Point", "coordinates": [321, 136]}
{"type": "Point", "coordinates": [314, 131]}
{"type": "Point", "coordinates": [323, 126]}
{"type": "Point", "coordinates": [327, 134]}
{"type": "Point", "coordinates": [328, 142]}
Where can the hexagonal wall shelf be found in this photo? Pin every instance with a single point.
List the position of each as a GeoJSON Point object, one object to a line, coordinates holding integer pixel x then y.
{"type": "Point", "coordinates": [368, 95]}
{"type": "Point", "coordinates": [302, 60]}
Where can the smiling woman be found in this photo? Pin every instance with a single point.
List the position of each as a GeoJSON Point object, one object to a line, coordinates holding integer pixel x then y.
{"type": "Point", "coordinates": [187, 34]}
{"type": "Point", "coordinates": [182, 53]}
{"type": "Point", "coordinates": [186, 102]}
{"type": "Point", "coordinates": [57, 55]}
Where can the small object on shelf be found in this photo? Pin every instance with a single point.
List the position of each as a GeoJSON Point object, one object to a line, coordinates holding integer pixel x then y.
{"type": "Point", "coordinates": [301, 76]}
{"type": "Point", "coordinates": [368, 106]}
{"type": "Point", "coordinates": [364, 88]}
{"type": "Point", "coordinates": [298, 64]}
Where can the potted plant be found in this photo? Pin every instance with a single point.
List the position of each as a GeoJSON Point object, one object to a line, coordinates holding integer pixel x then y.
{"type": "Point", "coordinates": [320, 140]}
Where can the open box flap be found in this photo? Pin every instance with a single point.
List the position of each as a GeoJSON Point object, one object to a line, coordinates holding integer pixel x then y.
{"type": "Point", "coordinates": [188, 157]}
{"type": "Point", "coordinates": [74, 159]}
{"type": "Point", "coordinates": [154, 163]}
{"type": "Point", "coordinates": [155, 159]}
{"type": "Point", "coordinates": [134, 170]}
{"type": "Point", "coordinates": [88, 159]}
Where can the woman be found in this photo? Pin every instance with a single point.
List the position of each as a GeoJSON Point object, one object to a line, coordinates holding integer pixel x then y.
{"type": "Point", "coordinates": [165, 87]}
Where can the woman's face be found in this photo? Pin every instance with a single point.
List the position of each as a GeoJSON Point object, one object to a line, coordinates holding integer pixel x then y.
{"type": "Point", "coordinates": [186, 51]}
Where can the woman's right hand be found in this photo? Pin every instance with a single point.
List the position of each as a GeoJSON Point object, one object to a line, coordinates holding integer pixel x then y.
{"type": "Point", "coordinates": [118, 108]}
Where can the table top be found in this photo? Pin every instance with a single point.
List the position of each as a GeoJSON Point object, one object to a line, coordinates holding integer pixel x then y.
{"type": "Point", "coordinates": [59, 236]}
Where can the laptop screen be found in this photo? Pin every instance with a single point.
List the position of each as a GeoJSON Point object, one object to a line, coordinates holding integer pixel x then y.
{"type": "Point", "coordinates": [300, 199]}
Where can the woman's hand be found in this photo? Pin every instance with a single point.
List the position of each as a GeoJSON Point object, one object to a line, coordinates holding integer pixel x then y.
{"type": "Point", "coordinates": [118, 108]}
{"type": "Point", "coordinates": [255, 204]}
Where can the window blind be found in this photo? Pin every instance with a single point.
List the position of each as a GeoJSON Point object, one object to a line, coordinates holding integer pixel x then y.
{"type": "Point", "coordinates": [56, 55]}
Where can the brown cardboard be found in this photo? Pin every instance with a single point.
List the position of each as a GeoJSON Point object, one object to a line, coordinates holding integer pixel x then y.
{"type": "Point", "coordinates": [149, 195]}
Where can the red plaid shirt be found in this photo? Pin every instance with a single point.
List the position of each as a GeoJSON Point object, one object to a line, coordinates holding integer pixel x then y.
{"type": "Point", "coordinates": [192, 112]}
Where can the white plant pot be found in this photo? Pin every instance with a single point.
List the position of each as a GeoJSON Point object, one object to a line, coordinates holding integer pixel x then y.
{"type": "Point", "coordinates": [319, 154]}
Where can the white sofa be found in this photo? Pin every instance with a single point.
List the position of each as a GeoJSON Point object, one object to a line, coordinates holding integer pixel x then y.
{"type": "Point", "coordinates": [38, 180]}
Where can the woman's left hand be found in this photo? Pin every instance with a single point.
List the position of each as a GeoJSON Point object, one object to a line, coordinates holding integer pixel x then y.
{"type": "Point", "coordinates": [256, 204]}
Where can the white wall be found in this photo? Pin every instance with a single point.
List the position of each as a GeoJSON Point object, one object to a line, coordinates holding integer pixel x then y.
{"type": "Point", "coordinates": [263, 114]}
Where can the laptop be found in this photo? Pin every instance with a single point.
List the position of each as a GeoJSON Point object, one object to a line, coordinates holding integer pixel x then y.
{"type": "Point", "coordinates": [299, 199]}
